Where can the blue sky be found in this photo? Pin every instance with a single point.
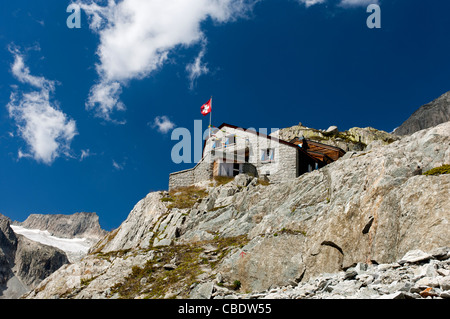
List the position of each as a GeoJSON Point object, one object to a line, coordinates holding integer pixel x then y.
{"type": "Point", "coordinates": [79, 107]}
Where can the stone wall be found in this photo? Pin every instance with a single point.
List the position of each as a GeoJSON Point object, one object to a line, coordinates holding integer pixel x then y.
{"type": "Point", "coordinates": [181, 178]}
{"type": "Point", "coordinates": [286, 168]}
{"type": "Point", "coordinates": [201, 172]}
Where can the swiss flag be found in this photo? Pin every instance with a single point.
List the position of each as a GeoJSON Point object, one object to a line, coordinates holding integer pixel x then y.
{"type": "Point", "coordinates": [206, 108]}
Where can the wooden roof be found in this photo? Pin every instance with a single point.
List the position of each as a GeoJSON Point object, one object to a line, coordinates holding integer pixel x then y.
{"type": "Point", "coordinates": [333, 152]}
{"type": "Point", "coordinates": [321, 157]}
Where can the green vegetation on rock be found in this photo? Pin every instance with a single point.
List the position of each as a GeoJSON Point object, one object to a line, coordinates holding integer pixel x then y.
{"type": "Point", "coordinates": [444, 169]}
{"type": "Point", "coordinates": [176, 268]}
{"type": "Point", "coordinates": [184, 197]}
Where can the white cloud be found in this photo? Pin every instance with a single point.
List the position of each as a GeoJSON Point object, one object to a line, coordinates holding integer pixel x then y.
{"type": "Point", "coordinates": [309, 3]}
{"type": "Point", "coordinates": [21, 154]}
{"type": "Point", "coordinates": [136, 37]}
{"type": "Point", "coordinates": [196, 68]}
{"type": "Point", "coordinates": [163, 124]}
{"type": "Point", "coordinates": [104, 98]}
{"type": "Point", "coordinates": [46, 129]}
{"type": "Point", "coordinates": [85, 154]}
{"type": "Point", "coordinates": [117, 166]}
{"type": "Point", "coordinates": [22, 73]}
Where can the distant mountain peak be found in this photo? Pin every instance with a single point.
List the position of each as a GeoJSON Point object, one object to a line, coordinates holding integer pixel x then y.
{"type": "Point", "coordinates": [78, 225]}
{"type": "Point", "coordinates": [428, 115]}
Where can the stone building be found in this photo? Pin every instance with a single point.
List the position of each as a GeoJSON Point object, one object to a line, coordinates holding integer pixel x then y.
{"type": "Point", "coordinates": [231, 150]}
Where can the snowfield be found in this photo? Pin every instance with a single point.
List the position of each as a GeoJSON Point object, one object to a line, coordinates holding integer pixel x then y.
{"type": "Point", "coordinates": [75, 248]}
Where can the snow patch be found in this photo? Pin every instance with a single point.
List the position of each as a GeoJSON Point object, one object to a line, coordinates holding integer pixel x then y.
{"type": "Point", "coordinates": [75, 248]}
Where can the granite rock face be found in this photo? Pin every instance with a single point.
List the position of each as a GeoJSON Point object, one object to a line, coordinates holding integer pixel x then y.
{"type": "Point", "coordinates": [428, 115]}
{"type": "Point", "coordinates": [367, 209]}
{"type": "Point", "coordinates": [136, 230]}
{"type": "Point", "coordinates": [34, 261]}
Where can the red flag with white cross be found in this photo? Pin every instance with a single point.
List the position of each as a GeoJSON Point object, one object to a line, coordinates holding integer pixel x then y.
{"type": "Point", "coordinates": [206, 108]}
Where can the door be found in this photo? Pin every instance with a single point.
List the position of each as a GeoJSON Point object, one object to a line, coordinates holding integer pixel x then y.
{"type": "Point", "coordinates": [236, 169]}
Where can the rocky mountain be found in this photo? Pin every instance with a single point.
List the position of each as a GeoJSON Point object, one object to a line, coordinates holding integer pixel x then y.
{"type": "Point", "coordinates": [32, 250]}
{"type": "Point", "coordinates": [354, 139]}
{"type": "Point", "coordinates": [428, 115]}
{"type": "Point", "coordinates": [78, 225]}
{"type": "Point", "coordinates": [23, 262]}
{"type": "Point", "coordinates": [245, 237]}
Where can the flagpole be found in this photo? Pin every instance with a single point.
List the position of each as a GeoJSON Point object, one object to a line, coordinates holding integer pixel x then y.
{"type": "Point", "coordinates": [210, 113]}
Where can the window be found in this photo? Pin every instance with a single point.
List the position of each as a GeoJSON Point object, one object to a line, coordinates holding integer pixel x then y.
{"type": "Point", "coordinates": [217, 143]}
{"type": "Point", "coordinates": [229, 140]}
{"type": "Point", "coordinates": [268, 155]}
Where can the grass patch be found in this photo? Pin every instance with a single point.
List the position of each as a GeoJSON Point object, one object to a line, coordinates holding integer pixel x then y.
{"type": "Point", "coordinates": [184, 197]}
{"type": "Point", "coordinates": [263, 182]}
{"type": "Point", "coordinates": [236, 285]}
{"type": "Point", "coordinates": [224, 244]}
{"type": "Point", "coordinates": [105, 240]}
{"type": "Point", "coordinates": [222, 180]}
{"type": "Point", "coordinates": [157, 279]}
{"type": "Point", "coordinates": [112, 254]}
{"type": "Point", "coordinates": [292, 231]}
{"type": "Point", "coordinates": [218, 207]}
{"type": "Point", "coordinates": [153, 281]}
{"type": "Point", "coordinates": [444, 169]}
{"type": "Point", "coordinates": [84, 282]}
